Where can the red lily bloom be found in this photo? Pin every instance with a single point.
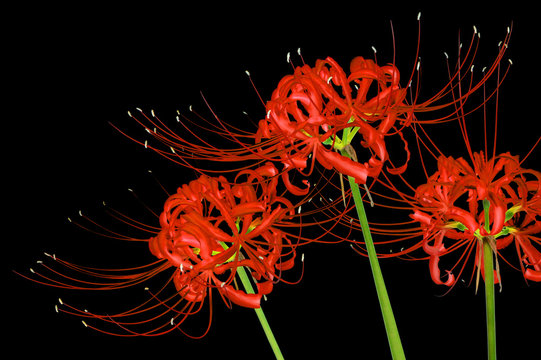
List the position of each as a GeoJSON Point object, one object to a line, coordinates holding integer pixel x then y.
{"type": "Point", "coordinates": [309, 108]}
{"type": "Point", "coordinates": [208, 229]}
{"type": "Point", "coordinates": [449, 208]}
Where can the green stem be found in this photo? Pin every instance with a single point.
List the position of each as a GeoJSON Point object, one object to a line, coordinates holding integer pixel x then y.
{"type": "Point", "coordinates": [260, 314]}
{"type": "Point", "coordinates": [489, 286]}
{"type": "Point", "coordinates": [393, 337]}
{"type": "Point", "coordinates": [490, 301]}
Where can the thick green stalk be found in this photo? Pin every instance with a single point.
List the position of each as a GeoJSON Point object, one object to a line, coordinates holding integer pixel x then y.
{"type": "Point", "coordinates": [490, 301]}
{"type": "Point", "coordinates": [489, 286]}
{"type": "Point", "coordinates": [260, 314]}
{"type": "Point", "coordinates": [393, 337]}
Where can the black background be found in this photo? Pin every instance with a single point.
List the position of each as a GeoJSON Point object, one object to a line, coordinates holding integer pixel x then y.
{"type": "Point", "coordinates": [73, 70]}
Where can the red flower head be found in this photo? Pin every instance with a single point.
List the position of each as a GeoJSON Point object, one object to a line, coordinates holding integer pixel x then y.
{"type": "Point", "coordinates": [309, 108]}
{"type": "Point", "coordinates": [208, 229]}
{"type": "Point", "coordinates": [493, 200]}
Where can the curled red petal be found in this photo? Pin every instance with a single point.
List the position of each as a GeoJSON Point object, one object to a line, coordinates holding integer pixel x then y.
{"type": "Point", "coordinates": [241, 298]}
{"type": "Point", "coordinates": [343, 165]}
{"type": "Point", "coordinates": [421, 217]}
{"type": "Point", "coordinates": [295, 190]}
{"type": "Point", "coordinates": [464, 217]}
{"type": "Point", "coordinates": [435, 274]}
{"type": "Point", "coordinates": [401, 169]}
{"type": "Point", "coordinates": [533, 275]}
{"type": "Point", "coordinates": [264, 287]}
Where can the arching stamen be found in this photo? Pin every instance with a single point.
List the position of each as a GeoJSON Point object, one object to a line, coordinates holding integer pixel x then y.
{"type": "Point", "coordinates": [369, 196]}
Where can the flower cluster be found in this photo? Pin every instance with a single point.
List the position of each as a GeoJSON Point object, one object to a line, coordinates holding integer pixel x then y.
{"type": "Point", "coordinates": [210, 227]}
{"type": "Point", "coordinates": [310, 108]}
{"type": "Point", "coordinates": [493, 200]}
{"type": "Point", "coordinates": [210, 231]}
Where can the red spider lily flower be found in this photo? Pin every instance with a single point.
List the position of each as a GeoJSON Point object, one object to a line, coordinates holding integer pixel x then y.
{"type": "Point", "coordinates": [207, 224]}
{"type": "Point", "coordinates": [465, 204]}
{"type": "Point", "coordinates": [449, 207]}
{"type": "Point", "coordinates": [208, 229]}
{"type": "Point", "coordinates": [309, 108]}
